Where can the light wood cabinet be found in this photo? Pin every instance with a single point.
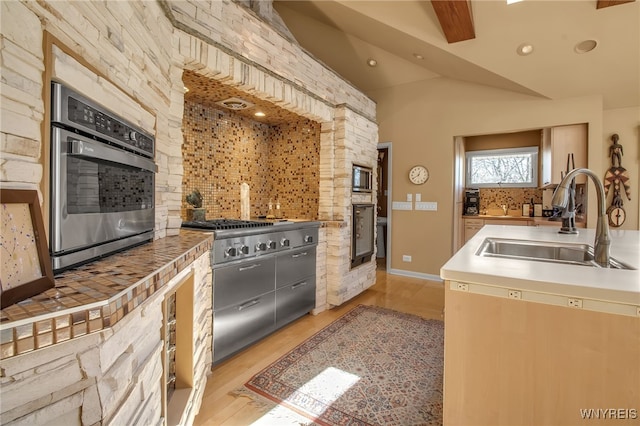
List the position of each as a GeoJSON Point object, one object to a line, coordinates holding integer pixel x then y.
{"type": "Point", "coordinates": [508, 362]}
{"type": "Point", "coordinates": [178, 351]}
{"type": "Point", "coordinates": [473, 225]}
{"type": "Point", "coordinates": [471, 228]}
{"type": "Point", "coordinates": [557, 144]}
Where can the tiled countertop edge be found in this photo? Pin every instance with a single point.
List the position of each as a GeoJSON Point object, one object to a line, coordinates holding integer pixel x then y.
{"type": "Point", "coordinates": [49, 328]}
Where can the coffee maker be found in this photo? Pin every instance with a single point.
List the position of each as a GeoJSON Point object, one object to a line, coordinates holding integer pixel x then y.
{"type": "Point", "coordinates": [471, 201]}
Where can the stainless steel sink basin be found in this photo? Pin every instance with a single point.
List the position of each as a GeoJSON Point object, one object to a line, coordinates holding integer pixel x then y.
{"type": "Point", "coordinates": [543, 251]}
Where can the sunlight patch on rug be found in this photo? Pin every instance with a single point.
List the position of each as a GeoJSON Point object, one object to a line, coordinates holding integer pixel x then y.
{"type": "Point", "coordinates": [327, 386]}
{"type": "Point", "coordinates": [372, 366]}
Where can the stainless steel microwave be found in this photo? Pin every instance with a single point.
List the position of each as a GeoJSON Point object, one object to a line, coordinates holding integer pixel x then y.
{"type": "Point", "coordinates": [361, 179]}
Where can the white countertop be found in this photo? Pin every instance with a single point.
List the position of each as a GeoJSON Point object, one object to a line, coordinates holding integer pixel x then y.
{"type": "Point", "coordinates": [600, 284]}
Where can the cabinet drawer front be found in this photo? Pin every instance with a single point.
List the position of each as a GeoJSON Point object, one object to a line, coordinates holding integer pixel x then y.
{"type": "Point", "coordinates": [475, 223]}
{"type": "Point", "coordinates": [236, 283]}
{"type": "Point", "coordinates": [240, 325]}
{"type": "Point", "coordinates": [295, 265]}
{"type": "Point", "coordinates": [295, 300]}
{"type": "Point", "coordinates": [508, 222]}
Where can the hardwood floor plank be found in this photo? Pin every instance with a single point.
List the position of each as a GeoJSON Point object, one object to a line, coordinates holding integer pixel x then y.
{"type": "Point", "coordinates": [221, 408]}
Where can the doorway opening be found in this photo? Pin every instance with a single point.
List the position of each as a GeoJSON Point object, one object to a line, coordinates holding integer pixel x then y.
{"type": "Point", "coordinates": [383, 207]}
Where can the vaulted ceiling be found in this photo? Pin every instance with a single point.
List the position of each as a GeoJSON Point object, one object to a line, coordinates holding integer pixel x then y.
{"type": "Point", "coordinates": [407, 40]}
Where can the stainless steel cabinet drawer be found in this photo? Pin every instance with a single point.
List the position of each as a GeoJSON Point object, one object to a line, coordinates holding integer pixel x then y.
{"type": "Point", "coordinates": [236, 283]}
{"type": "Point", "coordinates": [295, 300]}
{"type": "Point", "coordinates": [240, 325]}
{"type": "Point", "coordinates": [295, 265]}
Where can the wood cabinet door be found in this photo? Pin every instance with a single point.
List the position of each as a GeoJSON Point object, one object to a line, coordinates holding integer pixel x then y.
{"type": "Point", "coordinates": [471, 228]}
{"type": "Point", "coordinates": [567, 140]}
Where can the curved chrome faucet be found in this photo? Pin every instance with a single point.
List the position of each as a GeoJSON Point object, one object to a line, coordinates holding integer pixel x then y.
{"type": "Point", "coordinates": [561, 200]}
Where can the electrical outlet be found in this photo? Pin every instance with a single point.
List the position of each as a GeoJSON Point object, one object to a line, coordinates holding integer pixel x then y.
{"type": "Point", "coordinates": [406, 258]}
{"type": "Point", "coordinates": [463, 287]}
{"type": "Point", "coordinates": [515, 294]}
{"type": "Point", "coordinates": [574, 303]}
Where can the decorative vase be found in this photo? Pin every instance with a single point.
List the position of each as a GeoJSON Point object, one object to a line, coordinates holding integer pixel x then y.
{"type": "Point", "coordinates": [196, 214]}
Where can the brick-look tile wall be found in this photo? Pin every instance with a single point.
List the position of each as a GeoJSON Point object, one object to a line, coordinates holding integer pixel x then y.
{"type": "Point", "coordinates": [136, 49]}
{"type": "Point", "coordinates": [222, 150]}
{"type": "Point", "coordinates": [220, 23]}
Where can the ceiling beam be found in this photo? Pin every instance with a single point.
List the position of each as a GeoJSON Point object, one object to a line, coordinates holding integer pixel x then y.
{"type": "Point", "coordinates": [455, 19]}
{"type": "Point", "coordinates": [606, 3]}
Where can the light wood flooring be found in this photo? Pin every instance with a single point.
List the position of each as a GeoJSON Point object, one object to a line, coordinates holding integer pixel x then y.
{"type": "Point", "coordinates": [219, 407]}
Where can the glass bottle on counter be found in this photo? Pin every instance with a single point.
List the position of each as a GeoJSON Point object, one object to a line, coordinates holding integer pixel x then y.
{"type": "Point", "coordinates": [278, 211]}
{"type": "Point", "coordinates": [270, 212]}
{"type": "Point", "coordinates": [531, 208]}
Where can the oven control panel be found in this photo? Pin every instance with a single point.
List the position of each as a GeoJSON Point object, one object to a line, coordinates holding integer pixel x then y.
{"type": "Point", "coordinates": [73, 109]}
{"type": "Point", "coordinates": [256, 244]}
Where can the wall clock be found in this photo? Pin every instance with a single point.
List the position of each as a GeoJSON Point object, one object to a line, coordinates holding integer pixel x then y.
{"type": "Point", "coordinates": [418, 175]}
{"type": "Point", "coordinates": [617, 215]}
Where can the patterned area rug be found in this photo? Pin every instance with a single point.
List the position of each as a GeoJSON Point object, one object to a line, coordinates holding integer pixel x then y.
{"type": "Point", "coordinates": [372, 366]}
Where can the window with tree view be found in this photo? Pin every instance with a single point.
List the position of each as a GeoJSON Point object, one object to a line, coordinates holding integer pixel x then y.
{"type": "Point", "coordinates": [513, 167]}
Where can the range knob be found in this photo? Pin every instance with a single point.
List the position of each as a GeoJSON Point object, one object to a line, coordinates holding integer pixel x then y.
{"type": "Point", "coordinates": [243, 249]}
{"type": "Point", "coordinates": [308, 238]}
{"type": "Point", "coordinates": [133, 136]}
{"type": "Point", "coordinates": [230, 252]}
{"type": "Point", "coordinates": [284, 242]}
{"type": "Point", "coordinates": [261, 246]}
{"type": "Point", "coordinates": [272, 245]}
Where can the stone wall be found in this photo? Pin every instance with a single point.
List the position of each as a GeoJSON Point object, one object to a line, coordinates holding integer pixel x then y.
{"type": "Point", "coordinates": [235, 31]}
{"type": "Point", "coordinates": [347, 134]}
{"type": "Point", "coordinates": [110, 377]}
{"type": "Point", "coordinates": [353, 135]}
{"type": "Point", "coordinates": [135, 53]}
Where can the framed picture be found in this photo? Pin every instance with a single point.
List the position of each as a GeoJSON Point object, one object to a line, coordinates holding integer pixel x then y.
{"type": "Point", "coordinates": [25, 266]}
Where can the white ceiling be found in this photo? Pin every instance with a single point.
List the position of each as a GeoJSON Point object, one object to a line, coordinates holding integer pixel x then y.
{"type": "Point", "coordinates": [345, 33]}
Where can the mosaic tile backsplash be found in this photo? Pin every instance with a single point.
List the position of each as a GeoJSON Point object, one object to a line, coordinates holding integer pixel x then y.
{"type": "Point", "coordinates": [491, 199]}
{"type": "Point", "coordinates": [222, 150]}
{"type": "Point", "coordinates": [514, 198]}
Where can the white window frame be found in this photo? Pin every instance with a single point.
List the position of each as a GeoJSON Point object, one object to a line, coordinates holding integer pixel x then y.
{"type": "Point", "coordinates": [532, 150]}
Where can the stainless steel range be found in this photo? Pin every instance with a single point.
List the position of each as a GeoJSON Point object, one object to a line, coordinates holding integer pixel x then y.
{"type": "Point", "coordinates": [263, 278]}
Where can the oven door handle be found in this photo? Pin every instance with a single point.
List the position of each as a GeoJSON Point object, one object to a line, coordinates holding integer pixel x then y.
{"type": "Point", "coordinates": [100, 151]}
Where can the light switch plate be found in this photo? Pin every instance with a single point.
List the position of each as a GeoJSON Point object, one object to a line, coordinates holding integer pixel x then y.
{"type": "Point", "coordinates": [409, 197]}
{"type": "Point", "coordinates": [402, 205]}
{"type": "Point", "coordinates": [418, 197]}
{"type": "Point", "coordinates": [427, 205]}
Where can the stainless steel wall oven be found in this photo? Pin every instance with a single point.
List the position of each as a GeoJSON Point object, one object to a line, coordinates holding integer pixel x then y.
{"type": "Point", "coordinates": [361, 179]}
{"type": "Point", "coordinates": [362, 234]}
{"type": "Point", "coordinates": [102, 181]}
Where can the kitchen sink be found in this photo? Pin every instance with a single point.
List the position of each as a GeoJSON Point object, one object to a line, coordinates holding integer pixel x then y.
{"type": "Point", "coordinates": [543, 251]}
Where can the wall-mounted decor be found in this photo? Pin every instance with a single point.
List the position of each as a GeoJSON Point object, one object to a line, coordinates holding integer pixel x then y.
{"type": "Point", "coordinates": [619, 178]}
{"type": "Point", "coordinates": [418, 175]}
{"type": "Point", "coordinates": [25, 266]}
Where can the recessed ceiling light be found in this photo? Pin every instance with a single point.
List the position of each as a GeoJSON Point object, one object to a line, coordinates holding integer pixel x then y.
{"type": "Point", "coordinates": [372, 62]}
{"type": "Point", "coordinates": [259, 114]}
{"type": "Point", "coordinates": [418, 56]}
{"type": "Point", "coordinates": [525, 49]}
{"type": "Point", "coordinates": [585, 46]}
